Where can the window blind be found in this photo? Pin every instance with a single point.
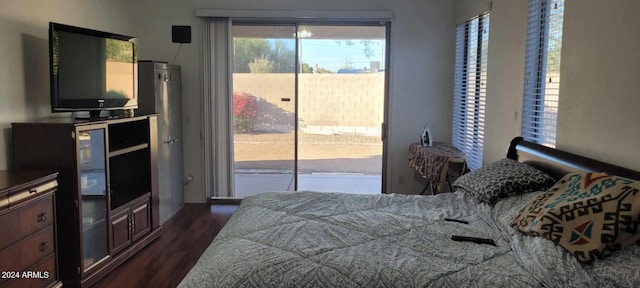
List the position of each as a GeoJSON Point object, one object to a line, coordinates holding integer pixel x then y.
{"type": "Point", "coordinates": [542, 71]}
{"type": "Point", "coordinates": [470, 83]}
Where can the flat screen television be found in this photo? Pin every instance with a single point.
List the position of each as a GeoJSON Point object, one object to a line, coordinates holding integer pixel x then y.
{"type": "Point", "coordinates": [91, 70]}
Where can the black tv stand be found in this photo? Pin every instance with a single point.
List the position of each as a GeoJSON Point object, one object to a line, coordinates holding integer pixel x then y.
{"type": "Point", "coordinates": [94, 115]}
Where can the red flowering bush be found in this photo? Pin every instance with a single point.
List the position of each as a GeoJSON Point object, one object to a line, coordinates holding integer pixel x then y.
{"type": "Point", "coordinates": [245, 109]}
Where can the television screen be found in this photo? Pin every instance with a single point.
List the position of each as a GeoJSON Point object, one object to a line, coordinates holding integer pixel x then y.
{"type": "Point", "coordinates": [91, 70]}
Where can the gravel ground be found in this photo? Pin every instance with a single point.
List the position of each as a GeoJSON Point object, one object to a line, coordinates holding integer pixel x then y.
{"type": "Point", "coordinates": [306, 138]}
{"type": "Point", "coordinates": [316, 153]}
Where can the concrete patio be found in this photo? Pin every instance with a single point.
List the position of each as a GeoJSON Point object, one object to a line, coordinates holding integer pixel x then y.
{"type": "Point", "coordinates": [326, 163]}
{"type": "Point", "coordinates": [248, 184]}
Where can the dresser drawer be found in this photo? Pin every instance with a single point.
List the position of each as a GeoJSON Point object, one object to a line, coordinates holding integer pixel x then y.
{"type": "Point", "coordinates": [42, 274]}
{"type": "Point", "coordinates": [26, 220]}
{"type": "Point", "coordinates": [19, 196]}
{"type": "Point", "coordinates": [23, 254]}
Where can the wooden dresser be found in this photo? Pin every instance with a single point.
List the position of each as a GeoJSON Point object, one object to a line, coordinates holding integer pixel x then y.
{"type": "Point", "coordinates": [27, 233]}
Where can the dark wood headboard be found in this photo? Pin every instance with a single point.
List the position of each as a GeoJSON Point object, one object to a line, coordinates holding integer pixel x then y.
{"type": "Point", "coordinates": [558, 163]}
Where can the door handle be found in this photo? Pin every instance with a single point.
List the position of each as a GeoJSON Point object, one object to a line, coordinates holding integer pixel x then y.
{"type": "Point", "coordinates": [286, 99]}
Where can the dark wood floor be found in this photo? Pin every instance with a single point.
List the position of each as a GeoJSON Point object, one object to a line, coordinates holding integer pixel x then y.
{"type": "Point", "coordinates": [168, 259]}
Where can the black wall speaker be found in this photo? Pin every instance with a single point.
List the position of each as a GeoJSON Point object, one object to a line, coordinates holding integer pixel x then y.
{"type": "Point", "coordinates": [180, 34]}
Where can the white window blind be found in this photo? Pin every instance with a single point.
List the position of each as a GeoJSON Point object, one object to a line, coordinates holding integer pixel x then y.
{"type": "Point", "coordinates": [542, 71]}
{"type": "Point", "coordinates": [470, 88]}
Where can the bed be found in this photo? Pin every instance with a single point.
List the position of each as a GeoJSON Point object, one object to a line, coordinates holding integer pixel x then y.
{"type": "Point", "coordinates": [308, 239]}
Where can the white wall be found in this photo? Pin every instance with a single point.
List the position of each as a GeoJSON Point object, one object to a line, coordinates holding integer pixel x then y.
{"type": "Point", "coordinates": [422, 45]}
{"type": "Point", "coordinates": [599, 71]}
{"type": "Point", "coordinates": [24, 53]}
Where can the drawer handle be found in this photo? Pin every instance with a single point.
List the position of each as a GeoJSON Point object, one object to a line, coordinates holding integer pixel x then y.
{"type": "Point", "coordinates": [43, 246]}
{"type": "Point", "coordinates": [42, 217]}
{"type": "Point", "coordinates": [33, 191]}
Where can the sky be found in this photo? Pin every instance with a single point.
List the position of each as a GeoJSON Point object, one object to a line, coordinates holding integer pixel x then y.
{"type": "Point", "coordinates": [330, 54]}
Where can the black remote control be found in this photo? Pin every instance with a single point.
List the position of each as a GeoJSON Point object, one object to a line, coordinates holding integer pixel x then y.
{"type": "Point", "coordinates": [473, 239]}
{"type": "Point", "coordinates": [456, 220]}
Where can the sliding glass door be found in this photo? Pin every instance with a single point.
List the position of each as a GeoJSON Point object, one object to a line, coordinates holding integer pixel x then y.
{"type": "Point", "coordinates": [308, 107]}
{"type": "Point", "coordinates": [341, 88]}
{"type": "Point", "coordinates": [264, 82]}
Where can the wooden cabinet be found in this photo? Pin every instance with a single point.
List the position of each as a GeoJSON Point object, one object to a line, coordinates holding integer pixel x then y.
{"type": "Point", "coordinates": [107, 187]}
{"type": "Point", "coordinates": [140, 219]}
{"type": "Point", "coordinates": [120, 230]}
{"type": "Point", "coordinates": [130, 223]}
{"type": "Point", "coordinates": [27, 238]}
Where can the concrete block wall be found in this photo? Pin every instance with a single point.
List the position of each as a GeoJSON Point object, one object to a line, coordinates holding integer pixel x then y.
{"type": "Point", "coordinates": [274, 114]}
{"type": "Point", "coordinates": [329, 103]}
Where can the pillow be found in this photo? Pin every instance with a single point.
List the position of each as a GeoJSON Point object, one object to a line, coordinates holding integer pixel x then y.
{"type": "Point", "coordinates": [501, 179]}
{"type": "Point", "coordinates": [589, 214]}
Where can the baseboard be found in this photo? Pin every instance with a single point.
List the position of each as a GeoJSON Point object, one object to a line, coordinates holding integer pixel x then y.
{"type": "Point", "coordinates": [171, 214]}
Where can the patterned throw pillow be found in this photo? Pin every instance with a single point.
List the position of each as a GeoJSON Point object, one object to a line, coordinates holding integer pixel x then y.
{"type": "Point", "coordinates": [501, 179]}
{"type": "Point", "coordinates": [589, 214]}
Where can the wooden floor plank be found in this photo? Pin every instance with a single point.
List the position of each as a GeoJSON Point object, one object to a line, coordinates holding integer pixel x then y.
{"type": "Point", "coordinates": [168, 259]}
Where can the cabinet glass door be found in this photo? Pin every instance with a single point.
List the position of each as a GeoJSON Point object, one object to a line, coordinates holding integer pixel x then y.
{"type": "Point", "coordinates": [93, 190]}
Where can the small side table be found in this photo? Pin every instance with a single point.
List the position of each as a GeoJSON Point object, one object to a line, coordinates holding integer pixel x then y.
{"type": "Point", "coordinates": [433, 163]}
